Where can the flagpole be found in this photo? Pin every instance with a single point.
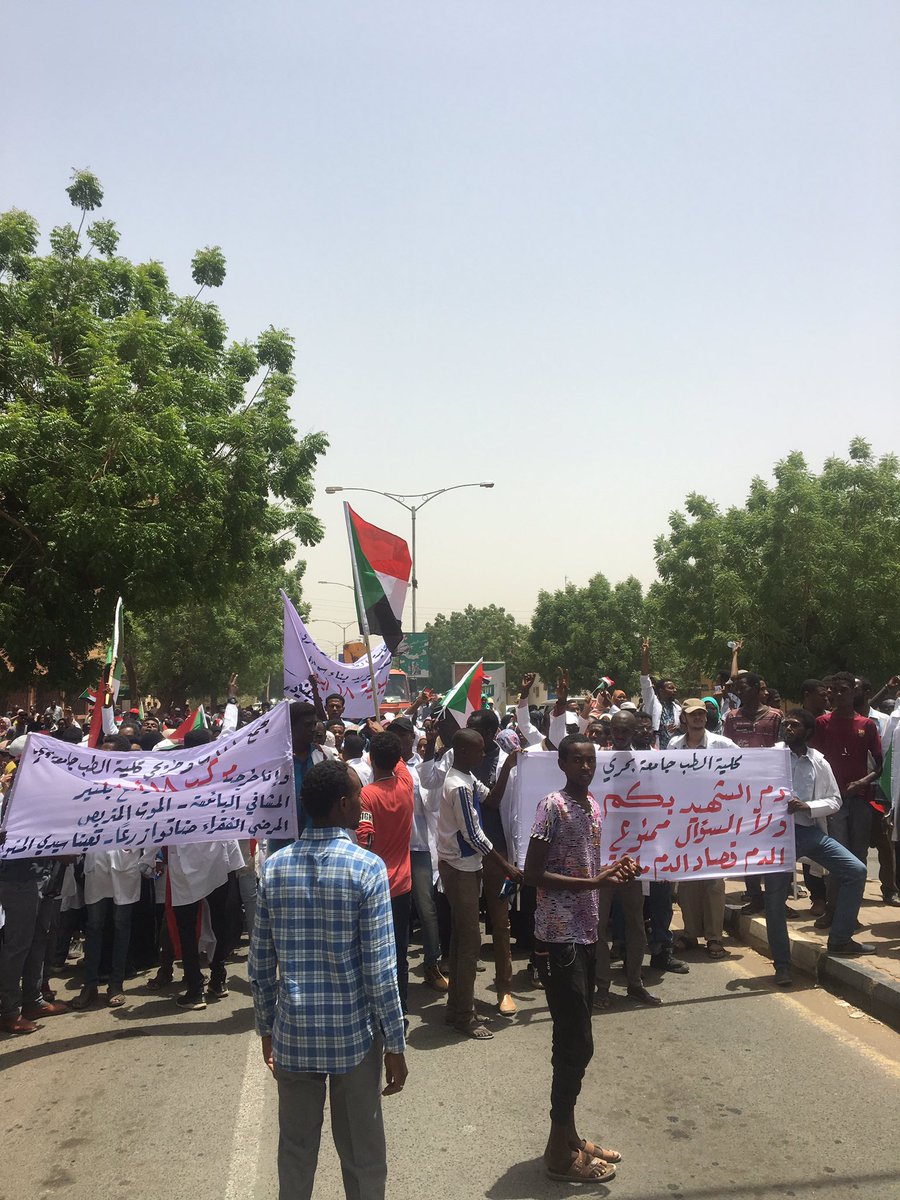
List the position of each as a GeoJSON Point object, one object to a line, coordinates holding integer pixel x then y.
{"type": "Point", "coordinates": [361, 610]}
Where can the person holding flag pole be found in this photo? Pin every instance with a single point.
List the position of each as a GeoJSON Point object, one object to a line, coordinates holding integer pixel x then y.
{"type": "Point", "coordinates": [103, 719]}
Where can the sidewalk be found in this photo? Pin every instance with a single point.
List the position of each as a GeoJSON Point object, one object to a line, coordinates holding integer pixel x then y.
{"type": "Point", "coordinates": [871, 982]}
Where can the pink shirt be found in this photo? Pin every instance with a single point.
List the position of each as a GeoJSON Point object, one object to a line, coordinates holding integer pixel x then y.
{"type": "Point", "coordinates": [574, 838]}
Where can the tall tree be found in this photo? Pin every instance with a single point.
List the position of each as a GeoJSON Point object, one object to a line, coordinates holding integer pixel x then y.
{"type": "Point", "coordinates": [141, 451]}
{"type": "Point", "coordinates": [490, 633]}
{"type": "Point", "coordinates": [592, 631]}
{"type": "Point", "coordinates": [808, 572]}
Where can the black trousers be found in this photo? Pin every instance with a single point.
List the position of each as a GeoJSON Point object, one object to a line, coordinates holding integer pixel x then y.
{"type": "Point", "coordinates": [567, 970]}
{"type": "Point", "coordinates": [223, 928]}
{"type": "Point", "coordinates": [401, 906]}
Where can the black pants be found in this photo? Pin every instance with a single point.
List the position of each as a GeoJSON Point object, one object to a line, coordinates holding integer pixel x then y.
{"type": "Point", "coordinates": [186, 920]}
{"type": "Point", "coordinates": [815, 884]}
{"type": "Point", "coordinates": [567, 969]}
{"type": "Point", "coordinates": [400, 910]}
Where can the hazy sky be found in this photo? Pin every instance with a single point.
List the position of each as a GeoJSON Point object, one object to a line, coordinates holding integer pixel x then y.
{"type": "Point", "coordinates": [603, 254]}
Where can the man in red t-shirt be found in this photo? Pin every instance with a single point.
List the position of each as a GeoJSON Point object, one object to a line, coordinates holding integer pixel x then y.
{"type": "Point", "coordinates": [852, 746]}
{"type": "Point", "coordinates": [385, 827]}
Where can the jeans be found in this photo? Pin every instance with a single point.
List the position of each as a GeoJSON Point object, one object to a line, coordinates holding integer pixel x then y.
{"type": "Point", "coordinates": [660, 911]}
{"type": "Point", "coordinates": [356, 1126]}
{"type": "Point", "coordinates": [844, 868]}
{"type": "Point", "coordinates": [851, 826]}
{"type": "Point", "coordinates": [400, 910]}
{"type": "Point", "coordinates": [423, 898]}
{"type": "Point", "coordinates": [567, 971]}
{"type": "Point", "coordinates": [815, 884]}
{"type": "Point", "coordinates": [247, 887]}
{"type": "Point", "coordinates": [97, 914]}
{"type": "Point", "coordinates": [463, 891]}
{"type": "Point", "coordinates": [24, 942]}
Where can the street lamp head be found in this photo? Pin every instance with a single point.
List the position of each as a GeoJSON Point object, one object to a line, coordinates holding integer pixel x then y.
{"type": "Point", "coordinates": [331, 490]}
{"type": "Point", "coordinates": [486, 484]}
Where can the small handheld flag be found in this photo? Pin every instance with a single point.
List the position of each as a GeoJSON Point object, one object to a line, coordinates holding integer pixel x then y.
{"type": "Point", "coordinates": [464, 699]}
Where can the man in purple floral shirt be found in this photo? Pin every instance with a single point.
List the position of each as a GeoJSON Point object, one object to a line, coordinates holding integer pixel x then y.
{"type": "Point", "coordinates": [564, 864]}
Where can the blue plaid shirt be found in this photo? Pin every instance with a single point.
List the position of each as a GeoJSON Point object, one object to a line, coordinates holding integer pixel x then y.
{"type": "Point", "coordinates": [323, 966]}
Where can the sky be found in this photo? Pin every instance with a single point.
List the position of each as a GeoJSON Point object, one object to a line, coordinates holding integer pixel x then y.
{"type": "Point", "coordinates": [601, 254]}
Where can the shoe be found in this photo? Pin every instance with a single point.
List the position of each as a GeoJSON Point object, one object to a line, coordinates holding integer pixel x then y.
{"type": "Point", "coordinates": [783, 977]}
{"type": "Point", "coordinates": [191, 1001]}
{"type": "Point", "coordinates": [85, 998]}
{"type": "Point", "coordinates": [754, 907]}
{"type": "Point", "coordinates": [161, 979]}
{"type": "Point", "coordinates": [17, 1025]}
{"type": "Point", "coordinates": [817, 908]}
{"type": "Point", "coordinates": [851, 949]}
{"type": "Point", "coordinates": [506, 1006]}
{"type": "Point", "coordinates": [115, 996]}
{"type": "Point", "coordinates": [665, 960]}
{"type": "Point", "coordinates": [435, 978]}
{"type": "Point", "coordinates": [644, 997]}
{"type": "Point", "coordinates": [824, 922]}
{"type": "Point", "coordinates": [48, 993]}
{"type": "Point", "coordinates": [602, 998]}
{"type": "Point", "coordinates": [217, 989]}
{"type": "Point", "coordinates": [36, 1012]}
{"type": "Point", "coordinates": [534, 976]}
{"type": "Point", "coordinates": [617, 952]}
{"type": "Point", "coordinates": [890, 898]}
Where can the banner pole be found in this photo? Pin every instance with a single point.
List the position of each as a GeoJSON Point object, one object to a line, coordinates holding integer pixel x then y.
{"type": "Point", "coordinates": [361, 611]}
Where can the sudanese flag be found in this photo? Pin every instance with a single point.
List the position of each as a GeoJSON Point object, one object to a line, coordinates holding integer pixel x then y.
{"type": "Point", "coordinates": [381, 571]}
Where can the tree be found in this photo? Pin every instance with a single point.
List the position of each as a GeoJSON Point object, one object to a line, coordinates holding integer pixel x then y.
{"type": "Point", "coordinates": [490, 633]}
{"type": "Point", "coordinates": [189, 651]}
{"type": "Point", "coordinates": [141, 451]}
{"type": "Point", "coordinates": [808, 573]}
{"type": "Point", "coordinates": [592, 631]}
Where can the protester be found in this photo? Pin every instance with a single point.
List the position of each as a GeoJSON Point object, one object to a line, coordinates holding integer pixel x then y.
{"type": "Point", "coordinates": [323, 975]}
{"type": "Point", "coordinates": [660, 699]}
{"type": "Point", "coordinates": [385, 828]}
{"type": "Point", "coordinates": [462, 848]}
{"type": "Point", "coordinates": [816, 799]}
{"type": "Point", "coordinates": [702, 901]}
{"type": "Point", "coordinates": [564, 864]}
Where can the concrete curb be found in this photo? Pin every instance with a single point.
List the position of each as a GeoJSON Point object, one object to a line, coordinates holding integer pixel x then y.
{"type": "Point", "coordinates": [874, 991]}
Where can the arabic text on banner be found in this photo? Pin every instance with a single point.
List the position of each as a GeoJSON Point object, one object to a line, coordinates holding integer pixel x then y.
{"type": "Point", "coordinates": [352, 681]}
{"type": "Point", "coordinates": [67, 799]}
{"type": "Point", "coordinates": [682, 814]}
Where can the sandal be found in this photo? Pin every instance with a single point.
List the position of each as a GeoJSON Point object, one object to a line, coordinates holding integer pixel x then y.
{"type": "Point", "coordinates": [115, 999]}
{"type": "Point", "coordinates": [684, 941]}
{"type": "Point", "coordinates": [595, 1151]}
{"type": "Point", "coordinates": [474, 1029]}
{"type": "Point", "coordinates": [584, 1169]}
{"type": "Point", "coordinates": [715, 949]}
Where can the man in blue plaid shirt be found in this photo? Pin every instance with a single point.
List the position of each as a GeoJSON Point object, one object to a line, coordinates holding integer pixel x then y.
{"type": "Point", "coordinates": [323, 969]}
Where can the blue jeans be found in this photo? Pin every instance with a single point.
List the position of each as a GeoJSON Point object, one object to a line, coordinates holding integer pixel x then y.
{"type": "Point", "coordinates": [423, 898]}
{"type": "Point", "coordinates": [93, 942]}
{"type": "Point", "coordinates": [849, 875]}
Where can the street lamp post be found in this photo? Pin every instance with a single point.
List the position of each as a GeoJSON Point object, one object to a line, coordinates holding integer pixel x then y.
{"type": "Point", "coordinates": [423, 498]}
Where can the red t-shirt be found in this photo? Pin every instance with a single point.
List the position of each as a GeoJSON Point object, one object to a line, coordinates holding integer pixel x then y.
{"type": "Point", "coordinates": [385, 825]}
{"type": "Point", "coordinates": [758, 732]}
{"type": "Point", "coordinates": [847, 743]}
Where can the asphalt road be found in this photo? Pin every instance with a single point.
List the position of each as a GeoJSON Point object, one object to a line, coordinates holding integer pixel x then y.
{"type": "Point", "coordinates": [728, 1091]}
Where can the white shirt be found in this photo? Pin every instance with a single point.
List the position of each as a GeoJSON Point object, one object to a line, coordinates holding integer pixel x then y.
{"type": "Point", "coordinates": [711, 741]}
{"type": "Point", "coordinates": [461, 842]}
{"type": "Point", "coordinates": [653, 704]}
{"type": "Point", "coordinates": [115, 875]}
{"type": "Point", "coordinates": [362, 768]}
{"type": "Point", "coordinates": [813, 782]}
{"type": "Point", "coordinates": [198, 869]}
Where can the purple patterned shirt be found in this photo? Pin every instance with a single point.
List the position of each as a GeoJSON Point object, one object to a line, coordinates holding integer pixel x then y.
{"type": "Point", "coordinates": [574, 838]}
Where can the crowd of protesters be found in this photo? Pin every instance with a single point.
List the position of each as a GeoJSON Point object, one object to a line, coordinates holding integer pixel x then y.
{"type": "Point", "coordinates": [404, 826]}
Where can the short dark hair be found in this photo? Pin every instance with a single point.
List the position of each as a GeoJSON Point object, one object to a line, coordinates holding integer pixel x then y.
{"type": "Point", "coordinates": [843, 677]}
{"type": "Point", "coordinates": [802, 714]}
{"type": "Point", "coordinates": [385, 751]}
{"type": "Point", "coordinates": [353, 744]}
{"type": "Point", "coordinates": [335, 725]}
{"type": "Point", "coordinates": [335, 696]}
{"type": "Point", "coordinates": [570, 740]}
{"type": "Point", "coordinates": [323, 786]}
{"type": "Point", "coordinates": [486, 722]}
{"type": "Point", "coordinates": [863, 684]}
{"type": "Point", "coordinates": [197, 737]}
{"type": "Point", "coordinates": [301, 708]}
{"type": "Point", "coordinates": [810, 685]}
{"type": "Point", "coordinates": [752, 680]}
{"type": "Point", "coordinates": [116, 741]}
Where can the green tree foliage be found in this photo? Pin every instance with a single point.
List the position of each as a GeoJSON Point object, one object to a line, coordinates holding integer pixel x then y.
{"type": "Point", "coordinates": [490, 633]}
{"type": "Point", "coordinates": [592, 631]}
{"type": "Point", "coordinates": [142, 452]}
{"type": "Point", "coordinates": [190, 651]}
{"type": "Point", "coordinates": [808, 573]}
